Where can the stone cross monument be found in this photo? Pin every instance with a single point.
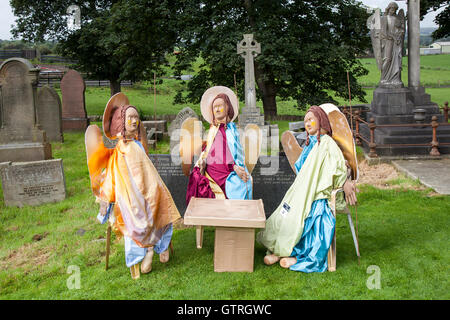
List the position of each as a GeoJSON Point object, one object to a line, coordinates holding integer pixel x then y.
{"type": "Point", "coordinates": [248, 48]}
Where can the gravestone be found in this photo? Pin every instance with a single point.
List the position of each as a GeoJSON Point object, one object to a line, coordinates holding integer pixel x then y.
{"type": "Point", "coordinates": [21, 136]}
{"type": "Point", "coordinates": [175, 126]}
{"type": "Point", "coordinates": [160, 127]}
{"type": "Point", "coordinates": [49, 113]}
{"type": "Point", "coordinates": [173, 177]}
{"type": "Point", "coordinates": [272, 177]}
{"type": "Point", "coordinates": [74, 116]}
{"type": "Point", "coordinates": [33, 183]}
{"type": "Point", "coordinates": [296, 126]}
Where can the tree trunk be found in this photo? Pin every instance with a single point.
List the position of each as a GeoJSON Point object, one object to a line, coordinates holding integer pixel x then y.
{"type": "Point", "coordinates": [269, 92]}
{"type": "Point", "coordinates": [114, 86]}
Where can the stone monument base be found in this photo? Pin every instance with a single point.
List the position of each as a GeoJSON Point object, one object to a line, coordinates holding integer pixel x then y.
{"type": "Point", "coordinates": [391, 137]}
{"type": "Point", "coordinates": [392, 106]}
{"type": "Point", "coordinates": [25, 152]}
{"type": "Point", "coordinates": [75, 124]}
{"type": "Point", "coordinates": [396, 106]}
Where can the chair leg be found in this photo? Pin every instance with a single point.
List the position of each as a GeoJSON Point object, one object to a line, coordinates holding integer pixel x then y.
{"type": "Point", "coordinates": [199, 234]}
{"type": "Point", "coordinates": [332, 254]}
{"type": "Point", "coordinates": [352, 228]}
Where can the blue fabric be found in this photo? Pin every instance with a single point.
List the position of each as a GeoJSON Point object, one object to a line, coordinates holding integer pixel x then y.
{"type": "Point", "coordinates": [164, 242]}
{"type": "Point", "coordinates": [312, 249]}
{"type": "Point", "coordinates": [135, 254]}
{"type": "Point", "coordinates": [102, 219]}
{"type": "Point", "coordinates": [139, 144]}
{"type": "Point", "coordinates": [305, 152]}
{"type": "Point", "coordinates": [235, 188]}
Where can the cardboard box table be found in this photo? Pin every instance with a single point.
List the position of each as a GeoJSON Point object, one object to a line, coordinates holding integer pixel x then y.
{"type": "Point", "coordinates": [235, 222]}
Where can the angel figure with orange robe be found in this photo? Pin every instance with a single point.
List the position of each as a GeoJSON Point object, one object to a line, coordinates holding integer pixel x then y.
{"type": "Point", "coordinates": [133, 198]}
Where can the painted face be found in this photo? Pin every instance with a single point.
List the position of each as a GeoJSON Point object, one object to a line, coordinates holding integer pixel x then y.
{"type": "Point", "coordinates": [311, 123]}
{"type": "Point", "coordinates": [131, 122]}
{"type": "Point", "coordinates": [219, 109]}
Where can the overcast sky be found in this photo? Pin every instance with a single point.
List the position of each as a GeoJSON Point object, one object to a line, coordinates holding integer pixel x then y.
{"type": "Point", "coordinates": [7, 17]}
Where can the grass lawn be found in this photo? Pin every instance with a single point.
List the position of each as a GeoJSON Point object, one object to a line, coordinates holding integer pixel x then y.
{"type": "Point", "coordinates": [403, 232]}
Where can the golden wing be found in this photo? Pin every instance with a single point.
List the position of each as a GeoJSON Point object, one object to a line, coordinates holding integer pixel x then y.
{"type": "Point", "coordinates": [190, 143]}
{"type": "Point", "coordinates": [252, 141]}
{"type": "Point", "coordinates": [343, 136]}
{"type": "Point", "coordinates": [93, 142]}
{"type": "Point", "coordinates": [291, 148]}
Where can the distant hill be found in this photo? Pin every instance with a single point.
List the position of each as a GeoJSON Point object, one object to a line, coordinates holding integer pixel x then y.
{"type": "Point", "coordinates": [427, 31]}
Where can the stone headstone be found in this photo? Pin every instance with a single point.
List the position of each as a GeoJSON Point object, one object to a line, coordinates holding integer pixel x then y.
{"type": "Point", "coordinates": [21, 136]}
{"type": "Point", "coordinates": [174, 132]}
{"type": "Point", "coordinates": [296, 126]}
{"type": "Point", "coordinates": [73, 102]}
{"type": "Point", "coordinates": [184, 114]}
{"type": "Point", "coordinates": [49, 113]}
{"type": "Point", "coordinates": [33, 183]}
{"type": "Point", "coordinates": [159, 126]}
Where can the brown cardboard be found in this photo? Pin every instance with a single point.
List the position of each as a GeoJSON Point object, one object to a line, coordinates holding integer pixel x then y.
{"type": "Point", "coordinates": [235, 222]}
{"type": "Point", "coordinates": [234, 249]}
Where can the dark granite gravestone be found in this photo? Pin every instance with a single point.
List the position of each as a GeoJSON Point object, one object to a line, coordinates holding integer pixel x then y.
{"type": "Point", "coordinates": [272, 177]}
{"type": "Point", "coordinates": [21, 137]}
{"type": "Point", "coordinates": [33, 183]}
{"type": "Point", "coordinates": [73, 103]}
{"type": "Point", "coordinates": [49, 113]}
{"type": "Point", "coordinates": [173, 177]}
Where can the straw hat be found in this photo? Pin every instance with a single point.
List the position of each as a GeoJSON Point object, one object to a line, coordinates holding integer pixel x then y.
{"type": "Point", "coordinates": [117, 100]}
{"type": "Point", "coordinates": [208, 97]}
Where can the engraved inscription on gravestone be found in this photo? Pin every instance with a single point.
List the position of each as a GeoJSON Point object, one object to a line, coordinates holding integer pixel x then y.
{"type": "Point", "coordinates": [33, 183]}
{"type": "Point", "coordinates": [173, 177]}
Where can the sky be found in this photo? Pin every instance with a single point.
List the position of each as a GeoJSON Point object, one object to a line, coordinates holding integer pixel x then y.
{"type": "Point", "coordinates": [7, 18]}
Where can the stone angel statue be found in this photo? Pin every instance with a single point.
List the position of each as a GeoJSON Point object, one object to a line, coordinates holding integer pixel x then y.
{"type": "Point", "coordinates": [387, 33]}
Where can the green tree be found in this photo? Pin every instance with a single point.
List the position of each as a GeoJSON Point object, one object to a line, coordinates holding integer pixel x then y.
{"type": "Point", "coordinates": [307, 47]}
{"type": "Point", "coordinates": [117, 40]}
{"type": "Point", "coordinates": [442, 19]}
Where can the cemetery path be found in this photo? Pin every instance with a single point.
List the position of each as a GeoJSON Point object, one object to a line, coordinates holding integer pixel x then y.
{"type": "Point", "coordinates": [432, 173]}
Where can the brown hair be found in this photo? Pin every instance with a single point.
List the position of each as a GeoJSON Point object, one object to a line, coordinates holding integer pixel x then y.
{"type": "Point", "coordinates": [323, 122]}
{"type": "Point", "coordinates": [117, 123]}
{"type": "Point", "coordinates": [230, 110]}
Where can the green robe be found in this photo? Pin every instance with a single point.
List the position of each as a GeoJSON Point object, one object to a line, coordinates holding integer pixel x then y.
{"type": "Point", "coordinates": [323, 171]}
